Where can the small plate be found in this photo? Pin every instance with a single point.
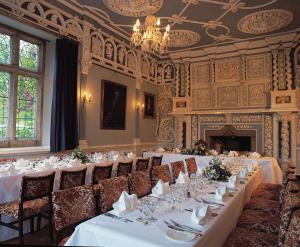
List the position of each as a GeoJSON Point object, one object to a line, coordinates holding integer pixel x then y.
{"type": "Point", "coordinates": [180, 235]}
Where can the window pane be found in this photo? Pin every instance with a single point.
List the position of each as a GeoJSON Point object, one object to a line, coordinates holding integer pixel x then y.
{"type": "Point", "coordinates": [4, 48]}
{"type": "Point", "coordinates": [4, 97]}
{"type": "Point", "coordinates": [29, 55]}
{"type": "Point", "coordinates": [26, 107]}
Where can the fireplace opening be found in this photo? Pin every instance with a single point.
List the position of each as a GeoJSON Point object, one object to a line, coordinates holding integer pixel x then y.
{"type": "Point", "coordinates": [234, 143]}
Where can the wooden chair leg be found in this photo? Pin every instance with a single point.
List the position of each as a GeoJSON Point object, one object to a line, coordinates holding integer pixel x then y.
{"type": "Point", "coordinates": [50, 227]}
{"type": "Point", "coordinates": [32, 225]}
{"type": "Point", "coordinates": [21, 239]}
{"type": "Point", "coordinates": [39, 222]}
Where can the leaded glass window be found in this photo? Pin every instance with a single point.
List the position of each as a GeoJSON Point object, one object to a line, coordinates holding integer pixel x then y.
{"type": "Point", "coordinates": [26, 107]}
{"type": "Point", "coordinates": [5, 50]}
{"type": "Point", "coordinates": [4, 97]}
{"type": "Point", "coordinates": [29, 55]}
{"type": "Point", "coordinates": [21, 57]}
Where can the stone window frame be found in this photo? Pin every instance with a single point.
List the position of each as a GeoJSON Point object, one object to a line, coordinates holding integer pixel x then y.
{"type": "Point", "coordinates": [15, 70]}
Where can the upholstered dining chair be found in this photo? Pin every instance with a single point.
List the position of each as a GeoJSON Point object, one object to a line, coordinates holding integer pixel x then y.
{"type": "Point", "coordinates": [177, 167]}
{"type": "Point", "coordinates": [7, 160]}
{"type": "Point", "coordinates": [71, 207]}
{"type": "Point", "coordinates": [35, 200]}
{"type": "Point", "coordinates": [142, 164]}
{"type": "Point", "coordinates": [124, 168]}
{"type": "Point", "coordinates": [160, 172]}
{"type": "Point", "coordinates": [70, 179]}
{"type": "Point", "coordinates": [191, 165]}
{"type": "Point", "coordinates": [156, 161]}
{"type": "Point", "coordinates": [139, 183]}
{"type": "Point", "coordinates": [101, 172]}
{"type": "Point", "coordinates": [109, 191]}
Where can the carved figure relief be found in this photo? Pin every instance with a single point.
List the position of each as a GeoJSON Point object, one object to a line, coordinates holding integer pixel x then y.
{"type": "Point", "coordinates": [227, 70]}
{"type": "Point", "coordinates": [121, 55]}
{"type": "Point", "coordinates": [169, 73]}
{"type": "Point", "coordinates": [256, 95]}
{"type": "Point", "coordinates": [97, 46]}
{"type": "Point", "coordinates": [228, 97]}
{"type": "Point", "coordinates": [131, 62]}
{"type": "Point", "coordinates": [109, 51]}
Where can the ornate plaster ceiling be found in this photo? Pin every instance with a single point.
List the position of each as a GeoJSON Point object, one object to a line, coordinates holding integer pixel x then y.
{"type": "Point", "coordinates": [197, 23]}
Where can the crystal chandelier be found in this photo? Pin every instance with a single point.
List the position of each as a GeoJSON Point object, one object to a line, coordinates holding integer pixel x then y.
{"type": "Point", "coordinates": [149, 36]}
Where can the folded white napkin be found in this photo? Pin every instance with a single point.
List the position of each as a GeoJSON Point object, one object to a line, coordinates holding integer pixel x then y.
{"type": "Point", "coordinates": [221, 194]}
{"type": "Point", "coordinates": [22, 163]}
{"type": "Point", "coordinates": [255, 155]}
{"type": "Point", "coordinates": [183, 179]}
{"type": "Point", "coordinates": [255, 165]}
{"type": "Point", "coordinates": [177, 150]}
{"type": "Point", "coordinates": [160, 149]}
{"type": "Point", "coordinates": [116, 157]}
{"type": "Point", "coordinates": [232, 181]}
{"type": "Point", "coordinates": [12, 169]}
{"type": "Point", "coordinates": [126, 203]}
{"type": "Point", "coordinates": [53, 159]}
{"type": "Point", "coordinates": [48, 164]}
{"type": "Point", "coordinates": [249, 167]}
{"type": "Point", "coordinates": [75, 162]}
{"type": "Point", "coordinates": [233, 154]}
{"type": "Point", "coordinates": [161, 188]}
{"type": "Point", "coordinates": [243, 173]}
{"type": "Point", "coordinates": [200, 214]}
{"type": "Point", "coordinates": [130, 155]}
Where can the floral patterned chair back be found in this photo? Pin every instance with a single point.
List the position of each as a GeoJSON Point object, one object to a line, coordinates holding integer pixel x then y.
{"type": "Point", "coordinates": [177, 167]}
{"type": "Point", "coordinates": [191, 165]}
{"type": "Point", "coordinates": [124, 168]}
{"type": "Point", "coordinates": [292, 238]}
{"type": "Point", "coordinates": [7, 160]}
{"type": "Point", "coordinates": [139, 183]}
{"type": "Point", "coordinates": [37, 187]}
{"type": "Point", "coordinates": [109, 191]}
{"type": "Point", "coordinates": [101, 173]}
{"type": "Point", "coordinates": [70, 179]}
{"type": "Point", "coordinates": [72, 206]}
{"type": "Point", "coordinates": [156, 161]}
{"type": "Point", "coordinates": [142, 164]}
{"type": "Point", "coordinates": [162, 173]}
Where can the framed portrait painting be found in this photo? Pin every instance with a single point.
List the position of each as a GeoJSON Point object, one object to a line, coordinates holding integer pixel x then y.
{"type": "Point", "coordinates": [113, 105]}
{"type": "Point", "coordinates": [149, 105]}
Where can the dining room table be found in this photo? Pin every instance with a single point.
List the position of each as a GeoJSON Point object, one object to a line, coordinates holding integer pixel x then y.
{"type": "Point", "coordinates": [112, 230]}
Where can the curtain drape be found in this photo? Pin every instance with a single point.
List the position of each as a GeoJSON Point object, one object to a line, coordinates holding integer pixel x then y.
{"type": "Point", "coordinates": [64, 127]}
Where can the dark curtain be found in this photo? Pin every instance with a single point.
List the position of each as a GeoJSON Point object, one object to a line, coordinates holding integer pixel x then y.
{"type": "Point", "coordinates": [64, 128]}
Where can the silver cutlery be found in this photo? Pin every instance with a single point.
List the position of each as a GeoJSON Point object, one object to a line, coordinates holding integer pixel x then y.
{"type": "Point", "coordinates": [117, 217]}
{"type": "Point", "coordinates": [181, 229]}
{"type": "Point", "coordinates": [212, 202]}
{"type": "Point", "coordinates": [185, 226]}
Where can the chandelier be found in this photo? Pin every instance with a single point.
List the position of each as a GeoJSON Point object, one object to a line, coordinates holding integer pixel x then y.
{"type": "Point", "coordinates": [149, 36]}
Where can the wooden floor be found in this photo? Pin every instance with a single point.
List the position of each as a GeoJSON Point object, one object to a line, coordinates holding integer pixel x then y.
{"type": "Point", "coordinates": [40, 238]}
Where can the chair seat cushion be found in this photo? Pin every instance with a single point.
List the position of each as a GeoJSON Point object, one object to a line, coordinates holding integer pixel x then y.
{"type": "Point", "coordinates": [249, 238]}
{"type": "Point", "coordinates": [259, 221]}
{"type": "Point", "coordinates": [269, 186]}
{"type": "Point", "coordinates": [30, 208]}
{"type": "Point", "coordinates": [293, 234]}
{"type": "Point", "coordinates": [267, 194]}
{"type": "Point", "coordinates": [63, 241]}
{"type": "Point", "coordinates": [264, 205]}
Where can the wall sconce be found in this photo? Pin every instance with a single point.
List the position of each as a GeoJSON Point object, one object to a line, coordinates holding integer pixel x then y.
{"type": "Point", "coordinates": [86, 98]}
{"type": "Point", "coordinates": [140, 107]}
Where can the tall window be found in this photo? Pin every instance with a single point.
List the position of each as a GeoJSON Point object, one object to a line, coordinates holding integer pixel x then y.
{"type": "Point", "coordinates": [21, 62]}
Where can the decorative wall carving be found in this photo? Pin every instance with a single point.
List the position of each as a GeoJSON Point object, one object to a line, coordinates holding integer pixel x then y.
{"type": "Point", "coordinates": [194, 130]}
{"type": "Point", "coordinates": [212, 118]}
{"type": "Point", "coordinates": [246, 118]}
{"type": "Point", "coordinates": [285, 136]}
{"type": "Point", "coordinates": [298, 128]}
{"type": "Point", "coordinates": [281, 71]}
{"type": "Point", "coordinates": [200, 98]}
{"type": "Point", "coordinates": [227, 70]}
{"type": "Point", "coordinates": [256, 67]}
{"type": "Point", "coordinates": [268, 135]}
{"type": "Point", "coordinates": [257, 95]}
{"type": "Point", "coordinates": [183, 38]}
{"type": "Point", "coordinates": [134, 7]}
{"type": "Point", "coordinates": [166, 122]}
{"type": "Point", "coordinates": [265, 21]}
{"type": "Point", "coordinates": [199, 73]}
{"type": "Point", "coordinates": [229, 97]}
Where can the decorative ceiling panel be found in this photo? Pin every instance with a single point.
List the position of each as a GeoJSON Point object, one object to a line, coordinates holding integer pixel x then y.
{"type": "Point", "coordinates": [198, 23]}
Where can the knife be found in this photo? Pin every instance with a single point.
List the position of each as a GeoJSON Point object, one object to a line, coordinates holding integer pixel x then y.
{"type": "Point", "coordinates": [117, 217]}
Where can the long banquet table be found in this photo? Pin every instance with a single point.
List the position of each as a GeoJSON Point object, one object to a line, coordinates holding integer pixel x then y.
{"type": "Point", "coordinates": [10, 186]}
{"type": "Point", "coordinates": [105, 231]}
{"type": "Point", "coordinates": [271, 170]}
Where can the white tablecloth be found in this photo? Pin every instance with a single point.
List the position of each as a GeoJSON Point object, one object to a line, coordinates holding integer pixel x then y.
{"type": "Point", "coordinates": [10, 186]}
{"type": "Point", "coordinates": [108, 232]}
{"type": "Point", "coordinates": [271, 170]}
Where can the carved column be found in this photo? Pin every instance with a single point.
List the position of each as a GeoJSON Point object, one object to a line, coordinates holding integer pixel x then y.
{"type": "Point", "coordinates": [268, 128]}
{"type": "Point", "coordinates": [177, 80]}
{"type": "Point", "coordinates": [213, 102]}
{"type": "Point", "coordinates": [187, 79]}
{"type": "Point", "coordinates": [179, 133]}
{"type": "Point", "coordinates": [288, 65]}
{"type": "Point", "coordinates": [281, 71]}
{"type": "Point", "coordinates": [275, 69]}
{"type": "Point", "coordinates": [285, 137]}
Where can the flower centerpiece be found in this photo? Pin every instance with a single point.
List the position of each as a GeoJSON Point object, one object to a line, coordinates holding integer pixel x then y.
{"type": "Point", "coordinates": [78, 154]}
{"type": "Point", "coordinates": [200, 149]}
{"type": "Point", "coordinates": [216, 170]}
